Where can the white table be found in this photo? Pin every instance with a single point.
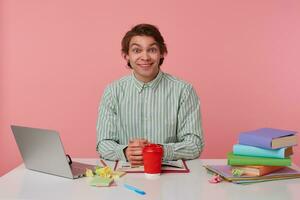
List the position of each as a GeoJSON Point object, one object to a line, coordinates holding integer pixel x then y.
{"type": "Point", "coordinates": [21, 183]}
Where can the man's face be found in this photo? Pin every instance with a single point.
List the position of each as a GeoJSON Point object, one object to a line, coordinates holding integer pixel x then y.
{"type": "Point", "coordinates": [144, 56]}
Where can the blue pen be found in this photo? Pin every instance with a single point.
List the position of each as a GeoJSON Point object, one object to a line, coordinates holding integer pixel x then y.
{"type": "Point", "coordinates": [129, 187]}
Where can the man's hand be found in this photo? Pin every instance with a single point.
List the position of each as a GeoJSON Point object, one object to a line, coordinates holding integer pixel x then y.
{"type": "Point", "coordinates": [134, 151]}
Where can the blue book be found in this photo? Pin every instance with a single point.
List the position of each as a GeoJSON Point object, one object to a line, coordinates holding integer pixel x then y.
{"type": "Point", "coordinates": [245, 150]}
{"type": "Point", "coordinates": [268, 138]}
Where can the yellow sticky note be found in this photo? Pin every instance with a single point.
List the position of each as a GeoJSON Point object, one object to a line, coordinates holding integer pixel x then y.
{"type": "Point", "coordinates": [89, 173]}
{"type": "Point", "coordinates": [104, 172]}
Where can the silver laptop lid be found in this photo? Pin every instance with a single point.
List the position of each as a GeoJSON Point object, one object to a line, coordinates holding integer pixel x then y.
{"type": "Point", "coordinates": [42, 150]}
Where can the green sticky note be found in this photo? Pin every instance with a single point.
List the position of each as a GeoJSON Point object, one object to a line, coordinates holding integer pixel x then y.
{"type": "Point", "coordinates": [100, 181]}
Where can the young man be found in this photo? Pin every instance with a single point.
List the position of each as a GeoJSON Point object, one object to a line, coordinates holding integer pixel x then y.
{"type": "Point", "coordinates": [148, 106]}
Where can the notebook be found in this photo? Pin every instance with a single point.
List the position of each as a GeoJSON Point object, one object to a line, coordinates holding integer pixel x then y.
{"type": "Point", "coordinates": [43, 151]}
{"type": "Point", "coordinates": [226, 173]}
{"type": "Point", "coordinates": [175, 166]}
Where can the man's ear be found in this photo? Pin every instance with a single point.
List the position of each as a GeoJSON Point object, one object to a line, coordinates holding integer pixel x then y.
{"type": "Point", "coordinates": [162, 55]}
{"type": "Point", "coordinates": [126, 57]}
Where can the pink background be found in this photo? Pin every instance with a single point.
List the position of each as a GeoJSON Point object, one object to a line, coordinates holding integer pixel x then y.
{"type": "Point", "coordinates": [57, 57]}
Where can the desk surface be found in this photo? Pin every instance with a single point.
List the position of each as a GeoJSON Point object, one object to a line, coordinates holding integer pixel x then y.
{"type": "Point", "coordinates": [21, 183]}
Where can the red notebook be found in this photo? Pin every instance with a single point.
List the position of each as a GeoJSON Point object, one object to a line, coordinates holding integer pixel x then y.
{"type": "Point", "coordinates": [178, 166]}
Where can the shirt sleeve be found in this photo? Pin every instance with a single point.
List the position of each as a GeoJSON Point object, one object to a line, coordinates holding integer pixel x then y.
{"type": "Point", "coordinates": [107, 137]}
{"type": "Point", "coordinates": [189, 129]}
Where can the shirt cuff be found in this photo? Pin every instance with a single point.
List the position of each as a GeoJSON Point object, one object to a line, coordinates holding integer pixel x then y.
{"type": "Point", "coordinates": [120, 152]}
{"type": "Point", "coordinates": [168, 152]}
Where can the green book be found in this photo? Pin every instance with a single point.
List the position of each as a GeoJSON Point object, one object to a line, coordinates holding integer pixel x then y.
{"type": "Point", "coordinates": [251, 160]}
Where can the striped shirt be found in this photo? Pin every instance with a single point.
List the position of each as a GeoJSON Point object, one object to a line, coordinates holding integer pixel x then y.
{"type": "Point", "coordinates": [164, 111]}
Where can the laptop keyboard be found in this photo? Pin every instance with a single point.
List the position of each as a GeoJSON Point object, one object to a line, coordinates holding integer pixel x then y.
{"type": "Point", "coordinates": [80, 168]}
{"type": "Point", "coordinates": [77, 170]}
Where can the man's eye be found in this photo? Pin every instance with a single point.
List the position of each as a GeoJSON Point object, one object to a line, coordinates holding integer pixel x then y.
{"type": "Point", "coordinates": [136, 50]}
{"type": "Point", "coordinates": [153, 50]}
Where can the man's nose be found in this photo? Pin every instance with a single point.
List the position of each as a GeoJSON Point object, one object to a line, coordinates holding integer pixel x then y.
{"type": "Point", "coordinates": [145, 55]}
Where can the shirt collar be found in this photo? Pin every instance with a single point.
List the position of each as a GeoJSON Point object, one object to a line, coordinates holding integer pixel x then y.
{"type": "Point", "coordinates": [152, 84]}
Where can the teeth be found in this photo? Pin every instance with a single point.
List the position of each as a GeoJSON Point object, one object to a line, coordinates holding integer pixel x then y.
{"type": "Point", "coordinates": [145, 65]}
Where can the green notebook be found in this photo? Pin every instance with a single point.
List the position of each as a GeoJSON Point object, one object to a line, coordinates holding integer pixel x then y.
{"type": "Point", "coordinates": [251, 160]}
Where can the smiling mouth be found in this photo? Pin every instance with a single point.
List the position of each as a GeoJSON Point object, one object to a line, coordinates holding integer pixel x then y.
{"type": "Point", "coordinates": [145, 65]}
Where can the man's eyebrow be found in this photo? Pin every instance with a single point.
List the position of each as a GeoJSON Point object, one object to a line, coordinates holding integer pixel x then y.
{"type": "Point", "coordinates": [154, 43]}
{"type": "Point", "coordinates": [135, 44]}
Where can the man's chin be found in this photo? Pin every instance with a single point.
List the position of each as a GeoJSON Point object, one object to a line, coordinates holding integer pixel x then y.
{"type": "Point", "coordinates": [146, 74]}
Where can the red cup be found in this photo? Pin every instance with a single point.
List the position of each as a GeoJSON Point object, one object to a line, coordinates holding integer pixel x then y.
{"type": "Point", "coordinates": [152, 155]}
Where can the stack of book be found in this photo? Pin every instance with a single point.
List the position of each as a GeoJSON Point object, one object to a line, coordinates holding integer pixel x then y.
{"type": "Point", "coordinates": [262, 151]}
{"type": "Point", "coordinates": [260, 155]}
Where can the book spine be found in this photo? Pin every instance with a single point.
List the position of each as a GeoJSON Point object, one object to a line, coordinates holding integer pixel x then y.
{"type": "Point", "coordinates": [245, 160]}
{"type": "Point", "coordinates": [254, 140]}
{"type": "Point", "coordinates": [246, 150]}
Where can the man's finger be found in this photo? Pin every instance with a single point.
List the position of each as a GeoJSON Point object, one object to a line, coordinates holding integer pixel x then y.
{"type": "Point", "coordinates": [135, 152]}
{"type": "Point", "coordinates": [136, 163]}
{"type": "Point", "coordinates": [133, 148]}
{"type": "Point", "coordinates": [136, 158]}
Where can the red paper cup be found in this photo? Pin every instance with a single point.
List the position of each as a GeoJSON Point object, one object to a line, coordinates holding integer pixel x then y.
{"type": "Point", "coordinates": [152, 155]}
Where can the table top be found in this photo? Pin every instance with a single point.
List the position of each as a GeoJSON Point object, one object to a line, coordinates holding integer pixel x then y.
{"type": "Point", "coordinates": [22, 183]}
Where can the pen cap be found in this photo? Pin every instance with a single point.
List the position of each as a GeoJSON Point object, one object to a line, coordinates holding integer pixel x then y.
{"type": "Point", "coordinates": [152, 156]}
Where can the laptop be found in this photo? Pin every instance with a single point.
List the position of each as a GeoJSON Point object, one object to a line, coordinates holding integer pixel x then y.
{"type": "Point", "coordinates": [43, 151]}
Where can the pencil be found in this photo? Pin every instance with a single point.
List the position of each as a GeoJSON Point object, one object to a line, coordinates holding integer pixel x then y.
{"type": "Point", "coordinates": [103, 163]}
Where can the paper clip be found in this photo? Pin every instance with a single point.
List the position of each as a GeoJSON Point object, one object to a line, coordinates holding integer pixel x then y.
{"type": "Point", "coordinates": [103, 163]}
{"type": "Point", "coordinates": [215, 179]}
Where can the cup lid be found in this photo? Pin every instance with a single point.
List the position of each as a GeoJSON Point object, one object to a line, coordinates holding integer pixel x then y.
{"type": "Point", "coordinates": [153, 148]}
